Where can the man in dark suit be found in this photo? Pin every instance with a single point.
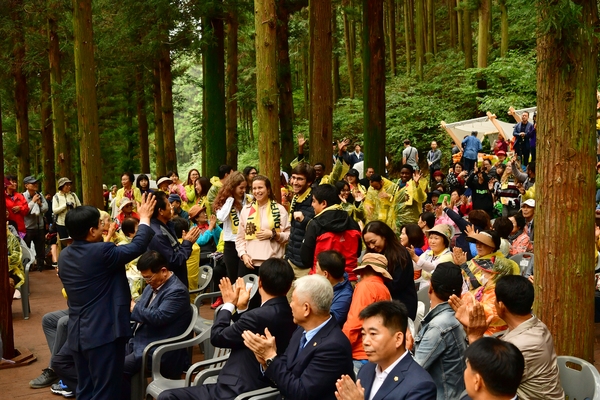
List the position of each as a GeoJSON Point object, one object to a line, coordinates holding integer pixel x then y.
{"type": "Point", "coordinates": [318, 353]}
{"type": "Point", "coordinates": [162, 311]}
{"type": "Point", "coordinates": [165, 240]}
{"type": "Point", "coordinates": [242, 372]}
{"type": "Point", "coordinates": [391, 372]}
{"type": "Point", "coordinates": [93, 275]}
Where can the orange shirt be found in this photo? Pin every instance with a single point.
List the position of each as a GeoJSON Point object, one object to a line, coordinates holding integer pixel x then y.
{"type": "Point", "coordinates": [369, 290]}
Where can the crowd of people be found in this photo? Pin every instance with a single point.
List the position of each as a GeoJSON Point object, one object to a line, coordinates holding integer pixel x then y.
{"type": "Point", "coordinates": [339, 259]}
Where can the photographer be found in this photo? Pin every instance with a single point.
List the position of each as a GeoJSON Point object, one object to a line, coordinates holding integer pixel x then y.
{"type": "Point", "coordinates": [63, 201]}
{"type": "Point", "coordinates": [34, 220]}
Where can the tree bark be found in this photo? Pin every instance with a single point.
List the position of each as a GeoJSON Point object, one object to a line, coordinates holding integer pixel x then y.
{"type": "Point", "coordinates": [87, 106]}
{"type": "Point", "coordinates": [321, 101]}
{"type": "Point", "coordinates": [503, 28]}
{"type": "Point", "coordinates": [305, 73]}
{"type": "Point", "coordinates": [349, 50]}
{"type": "Point", "coordinates": [467, 35]}
{"type": "Point", "coordinates": [484, 28]}
{"type": "Point", "coordinates": [20, 90]}
{"type": "Point", "coordinates": [284, 77]}
{"type": "Point", "coordinates": [374, 84]}
{"type": "Point", "coordinates": [166, 98]}
{"type": "Point", "coordinates": [62, 150]}
{"type": "Point", "coordinates": [459, 17]}
{"type": "Point", "coordinates": [392, 34]}
{"type": "Point", "coordinates": [47, 138]}
{"type": "Point", "coordinates": [159, 141]}
{"type": "Point", "coordinates": [142, 120]}
{"type": "Point", "coordinates": [6, 325]}
{"type": "Point", "coordinates": [269, 153]}
{"type": "Point", "coordinates": [452, 22]}
{"type": "Point", "coordinates": [420, 44]}
{"type": "Point", "coordinates": [407, 11]}
{"type": "Point", "coordinates": [564, 265]}
{"type": "Point", "coordinates": [232, 88]}
{"type": "Point", "coordinates": [214, 85]}
{"type": "Point", "coordinates": [337, 90]}
{"type": "Point", "coordinates": [430, 23]}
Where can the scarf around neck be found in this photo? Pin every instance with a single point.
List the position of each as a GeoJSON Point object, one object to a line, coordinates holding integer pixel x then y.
{"type": "Point", "coordinates": [253, 223]}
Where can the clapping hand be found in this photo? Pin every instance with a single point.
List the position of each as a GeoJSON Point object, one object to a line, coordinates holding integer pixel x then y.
{"type": "Point", "coordinates": [263, 346]}
{"type": "Point", "coordinates": [416, 176]}
{"type": "Point", "coordinates": [146, 207]}
{"type": "Point", "coordinates": [192, 235]}
{"type": "Point", "coordinates": [470, 230]}
{"type": "Point", "coordinates": [243, 294]}
{"type": "Point", "coordinates": [348, 390]}
{"type": "Point", "coordinates": [459, 257]}
{"type": "Point", "coordinates": [213, 222]}
{"type": "Point", "coordinates": [229, 292]}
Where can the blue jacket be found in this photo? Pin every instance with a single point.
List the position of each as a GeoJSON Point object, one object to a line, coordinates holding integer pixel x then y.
{"type": "Point", "coordinates": [439, 349]}
{"type": "Point", "coordinates": [166, 243]}
{"type": "Point", "coordinates": [167, 316]}
{"type": "Point", "coordinates": [93, 275]}
{"type": "Point", "coordinates": [342, 297]}
{"type": "Point", "coordinates": [523, 143]}
{"type": "Point", "coordinates": [407, 381]}
{"type": "Point", "coordinates": [471, 146]}
{"type": "Point", "coordinates": [298, 230]}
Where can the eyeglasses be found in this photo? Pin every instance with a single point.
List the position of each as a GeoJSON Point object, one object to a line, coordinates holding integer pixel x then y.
{"type": "Point", "coordinates": [148, 280]}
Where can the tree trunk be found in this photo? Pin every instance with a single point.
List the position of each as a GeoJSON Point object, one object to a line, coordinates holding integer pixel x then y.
{"type": "Point", "coordinates": [159, 141]}
{"type": "Point", "coordinates": [374, 84]}
{"type": "Point", "coordinates": [204, 113]}
{"type": "Point", "coordinates": [214, 85]}
{"type": "Point", "coordinates": [305, 71]}
{"type": "Point", "coordinates": [6, 324]}
{"type": "Point", "coordinates": [430, 29]}
{"type": "Point", "coordinates": [503, 28]}
{"type": "Point", "coordinates": [392, 34]}
{"type": "Point", "coordinates": [459, 17]}
{"type": "Point", "coordinates": [232, 88]}
{"type": "Point", "coordinates": [20, 91]}
{"type": "Point", "coordinates": [467, 35]}
{"type": "Point", "coordinates": [349, 51]}
{"type": "Point", "coordinates": [337, 90]}
{"type": "Point", "coordinates": [407, 11]}
{"type": "Point", "coordinates": [484, 28]}
{"type": "Point", "coordinates": [87, 106]}
{"type": "Point", "coordinates": [321, 101]}
{"type": "Point", "coordinates": [166, 98]}
{"type": "Point", "coordinates": [564, 265]}
{"type": "Point", "coordinates": [284, 77]}
{"type": "Point", "coordinates": [453, 23]}
{"type": "Point", "coordinates": [46, 131]}
{"type": "Point", "coordinates": [269, 153]}
{"type": "Point", "coordinates": [62, 151]}
{"type": "Point", "coordinates": [420, 45]}
{"type": "Point", "coordinates": [142, 120]}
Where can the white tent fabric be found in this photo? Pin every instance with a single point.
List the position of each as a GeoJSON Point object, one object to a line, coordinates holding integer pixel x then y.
{"type": "Point", "coordinates": [484, 126]}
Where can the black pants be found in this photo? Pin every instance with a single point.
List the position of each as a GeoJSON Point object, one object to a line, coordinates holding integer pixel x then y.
{"type": "Point", "coordinates": [232, 262]}
{"type": "Point", "coordinates": [38, 237]}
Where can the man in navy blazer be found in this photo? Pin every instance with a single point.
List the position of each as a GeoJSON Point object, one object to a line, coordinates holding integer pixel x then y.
{"type": "Point", "coordinates": [93, 275]}
{"type": "Point", "coordinates": [318, 353]}
{"type": "Point", "coordinates": [162, 311]}
{"type": "Point", "coordinates": [391, 373]}
{"type": "Point", "coordinates": [165, 240]}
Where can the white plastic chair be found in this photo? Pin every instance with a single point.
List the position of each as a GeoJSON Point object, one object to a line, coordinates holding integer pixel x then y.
{"type": "Point", "coordinates": [204, 278]}
{"type": "Point", "coordinates": [525, 261]}
{"type": "Point", "coordinates": [268, 393]}
{"type": "Point", "coordinates": [28, 259]}
{"type": "Point", "coordinates": [423, 297]}
{"type": "Point", "coordinates": [580, 379]}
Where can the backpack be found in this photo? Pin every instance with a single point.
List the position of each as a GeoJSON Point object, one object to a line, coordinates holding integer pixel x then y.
{"type": "Point", "coordinates": [345, 242]}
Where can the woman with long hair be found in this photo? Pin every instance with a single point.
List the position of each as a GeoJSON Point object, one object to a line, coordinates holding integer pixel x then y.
{"type": "Point", "coordinates": [264, 227]}
{"type": "Point", "coordinates": [228, 205]}
{"type": "Point", "coordinates": [176, 187]}
{"type": "Point", "coordinates": [249, 173]}
{"type": "Point", "coordinates": [190, 189]}
{"type": "Point", "coordinates": [143, 183]}
{"type": "Point", "coordinates": [201, 187]}
{"type": "Point", "coordinates": [380, 238]}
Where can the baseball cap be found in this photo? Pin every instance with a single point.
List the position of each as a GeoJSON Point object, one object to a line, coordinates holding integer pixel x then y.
{"type": "Point", "coordinates": [529, 202]}
{"type": "Point", "coordinates": [30, 179]}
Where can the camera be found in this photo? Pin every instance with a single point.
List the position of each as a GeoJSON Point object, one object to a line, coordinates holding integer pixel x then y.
{"type": "Point", "coordinates": [70, 205]}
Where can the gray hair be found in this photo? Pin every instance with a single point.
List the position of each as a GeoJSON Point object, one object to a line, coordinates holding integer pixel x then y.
{"type": "Point", "coordinates": [316, 290]}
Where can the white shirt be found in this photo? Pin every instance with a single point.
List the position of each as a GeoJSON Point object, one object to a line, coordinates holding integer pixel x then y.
{"type": "Point", "coordinates": [381, 375]}
{"type": "Point", "coordinates": [223, 216]}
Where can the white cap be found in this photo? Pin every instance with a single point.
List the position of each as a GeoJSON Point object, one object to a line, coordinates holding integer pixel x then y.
{"type": "Point", "coordinates": [529, 202]}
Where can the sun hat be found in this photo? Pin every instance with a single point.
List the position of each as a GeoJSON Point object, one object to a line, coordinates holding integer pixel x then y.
{"type": "Point", "coordinates": [62, 181]}
{"type": "Point", "coordinates": [124, 202]}
{"type": "Point", "coordinates": [163, 179]}
{"type": "Point", "coordinates": [444, 230]}
{"type": "Point", "coordinates": [482, 237]}
{"type": "Point", "coordinates": [376, 261]}
{"type": "Point", "coordinates": [195, 210]}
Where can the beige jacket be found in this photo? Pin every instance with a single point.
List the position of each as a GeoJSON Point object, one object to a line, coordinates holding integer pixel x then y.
{"type": "Point", "coordinates": [541, 376]}
{"type": "Point", "coordinates": [261, 250]}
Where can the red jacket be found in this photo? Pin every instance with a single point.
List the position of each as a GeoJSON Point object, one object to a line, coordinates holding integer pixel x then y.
{"type": "Point", "coordinates": [17, 200]}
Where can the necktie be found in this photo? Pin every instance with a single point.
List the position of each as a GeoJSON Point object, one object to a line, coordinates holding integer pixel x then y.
{"type": "Point", "coordinates": [302, 344]}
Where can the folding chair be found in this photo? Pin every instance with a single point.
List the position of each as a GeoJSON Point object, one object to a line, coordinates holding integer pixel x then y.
{"type": "Point", "coordinates": [423, 297]}
{"type": "Point", "coordinates": [579, 378]}
{"type": "Point", "coordinates": [525, 261]}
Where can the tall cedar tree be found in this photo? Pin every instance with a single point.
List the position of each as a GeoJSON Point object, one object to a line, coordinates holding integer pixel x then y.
{"type": "Point", "coordinates": [374, 84]}
{"type": "Point", "coordinates": [567, 74]}
{"type": "Point", "coordinates": [46, 131]}
{"type": "Point", "coordinates": [321, 86]}
{"type": "Point", "coordinates": [232, 86]}
{"type": "Point", "coordinates": [87, 106]}
{"type": "Point", "coordinates": [269, 153]}
{"type": "Point", "coordinates": [166, 98]}
{"type": "Point", "coordinates": [142, 118]}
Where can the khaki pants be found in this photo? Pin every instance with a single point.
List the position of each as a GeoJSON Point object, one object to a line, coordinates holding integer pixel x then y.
{"type": "Point", "coordinates": [298, 273]}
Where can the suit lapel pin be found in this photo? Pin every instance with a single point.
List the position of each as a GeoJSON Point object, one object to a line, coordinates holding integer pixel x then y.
{"type": "Point", "coordinates": [314, 344]}
{"type": "Point", "coordinates": [395, 379]}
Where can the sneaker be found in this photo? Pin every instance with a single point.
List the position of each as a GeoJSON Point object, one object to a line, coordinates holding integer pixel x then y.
{"type": "Point", "coordinates": [47, 378]}
{"type": "Point", "coordinates": [217, 303]}
{"type": "Point", "coordinates": [62, 389]}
